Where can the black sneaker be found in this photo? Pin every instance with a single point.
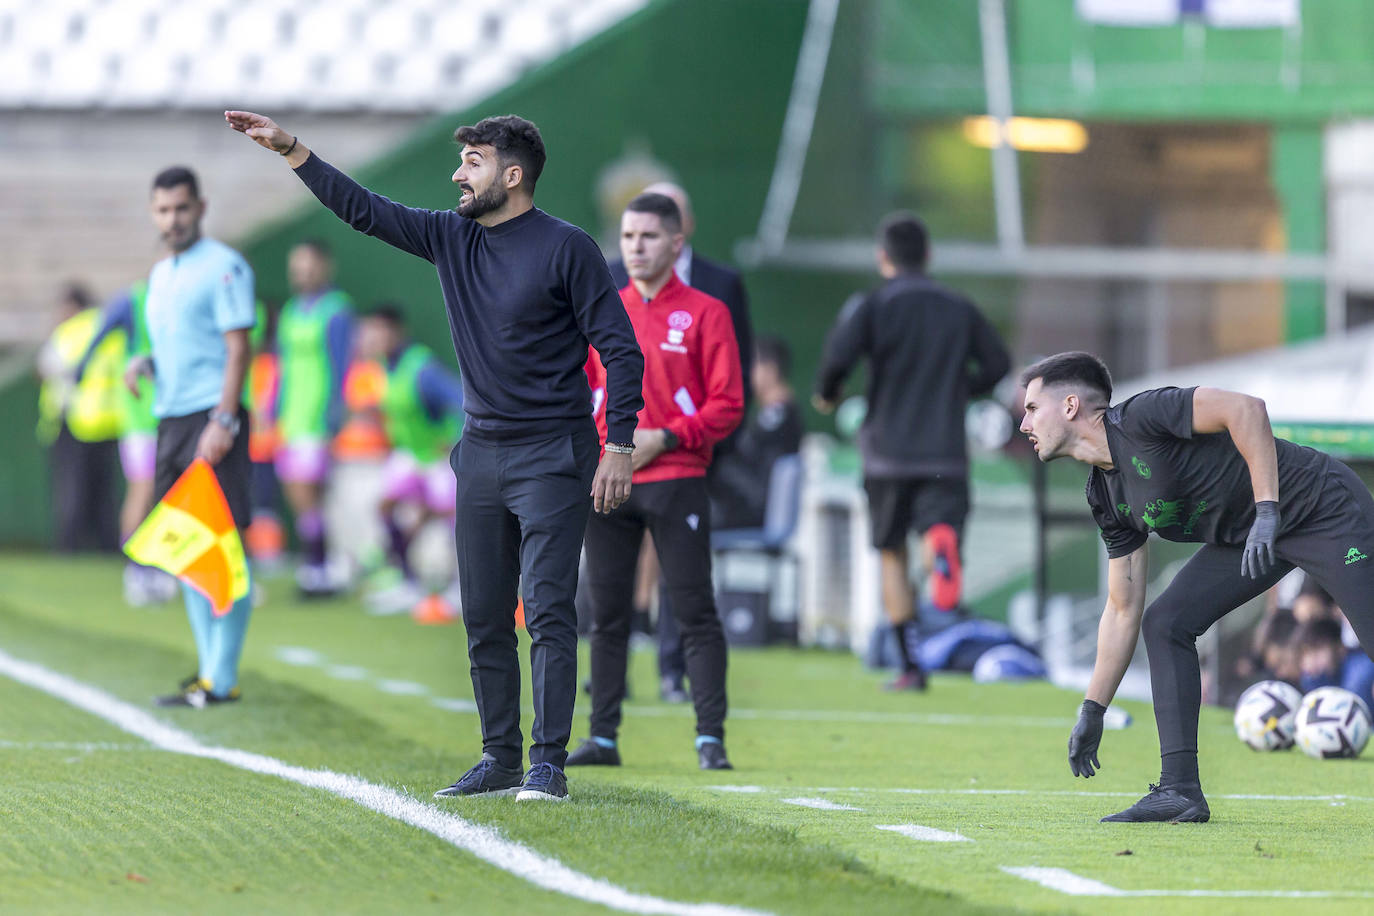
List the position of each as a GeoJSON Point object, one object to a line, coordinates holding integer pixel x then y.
{"type": "Point", "coordinates": [194, 695]}
{"type": "Point", "coordinates": [1179, 804]}
{"type": "Point", "coordinates": [487, 778]}
{"type": "Point", "coordinates": [711, 756]}
{"type": "Point", "coordinates": [910, 679]}
{"type": "Point", "coordinates": [544, 782]}
{"type": "Point", "coordinates": [591, 754]}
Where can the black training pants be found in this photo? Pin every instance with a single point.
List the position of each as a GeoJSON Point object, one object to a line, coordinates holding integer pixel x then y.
{"type": "Point", "coordinates": [84, 493]}
{"type": "Point", "coordinates": [677, 514]}
{"type": "Point", "coordinates": [1211, 585]}
{"type": "Point", "coordinates": [522, 509]}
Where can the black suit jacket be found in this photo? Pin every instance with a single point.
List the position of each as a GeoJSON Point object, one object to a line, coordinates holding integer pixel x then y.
{"type": "Point", "coordinates": [724, 283]}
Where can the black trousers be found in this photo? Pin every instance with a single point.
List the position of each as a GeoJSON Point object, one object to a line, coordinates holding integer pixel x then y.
{"type": "Point", "coordinates": [522, 509]}
{"type": "Point", "coordinates": [85, 501]}
{"type": "Point", "coordinates": [177, 441]}
{"type": "Point", "coordinates": [1210, 586]}
{"type": "Point", "coordinates": [677, 513]}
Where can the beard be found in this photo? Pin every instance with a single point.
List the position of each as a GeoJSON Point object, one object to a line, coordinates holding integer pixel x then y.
{"type": "Point", "coordinates": [493, 198]}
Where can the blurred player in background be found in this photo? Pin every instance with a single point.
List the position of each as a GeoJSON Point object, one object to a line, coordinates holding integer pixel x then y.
{"type": "Point", "coordinates": [79, 419]}
{"type": "Point", "coordinates": [125, 320]}
{"type": "Point", "coordinates": [265, 538]}
{"type": "Point", "coordinates": [200, 310]}
{"type": "Point", "coordinates": [422, 409]}
{"type": "Point", "coordinates": [314, 342]}
{"type": "Point", "coordinates": [1193, 465]}
{"type": "Point", "coordinates": [929, 351]}
{"type": "Point", "coordinates": [525, 293]}
{"type": "Point", "coordinates": [693, 398]}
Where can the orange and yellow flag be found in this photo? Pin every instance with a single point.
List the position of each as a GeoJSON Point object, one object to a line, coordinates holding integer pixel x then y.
{"type": "Point", "coordinates": [191, 534]}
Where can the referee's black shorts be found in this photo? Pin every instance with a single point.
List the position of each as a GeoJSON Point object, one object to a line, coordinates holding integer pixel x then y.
{"type": "Point", "coordinates": [177, 438]}
{"type": "Point", "coordinates": [898, 504]}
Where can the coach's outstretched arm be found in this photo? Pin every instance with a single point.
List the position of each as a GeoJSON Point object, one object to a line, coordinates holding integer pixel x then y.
{"type": "Point", "coordinates": [410, 229]}
{"type": "Point", "coordinates": [1247, 420]}
{"type": "Point", "coordinates": [1117, 633]}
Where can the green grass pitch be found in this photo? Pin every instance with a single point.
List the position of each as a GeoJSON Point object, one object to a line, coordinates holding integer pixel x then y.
{"type": "Point", "coordinates": [93, 819]}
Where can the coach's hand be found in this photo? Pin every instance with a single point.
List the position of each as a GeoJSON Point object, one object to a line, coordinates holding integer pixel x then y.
{"type": "Point", "coordinates": [1085, 738]}
{"type": "Point", "coordinates": [611, 485]}
{"type": "Point", "coordinates": [1258, 558]}
{"type": "Point", "coordinates": [214, 443]}
{"type": "Point", "coordinates": [265, 133]}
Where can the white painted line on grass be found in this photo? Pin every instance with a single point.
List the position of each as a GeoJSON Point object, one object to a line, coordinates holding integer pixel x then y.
{"type": "Point", "coordinates": [483, 842]}
{"type": "Point", "coordinates": [899, 790]}
{"type": "Point", "coordinates": [72, 746]}
{"type": "Point", "coordinates": [453, 704]}
{"type": "Point", "coordinates": [926, 834]}
{"type": "Point", "coordinates": [1066, 882]}
{"type": "Point", "coordinates": [347, 672]}
{"type": "Point", "coordinates": [820, 804]}
{"type": "Point", "coordinates": [402, 688]}
{"type": "Point", "coordinates": [299, 655]}
{"type": "Point", "coordinates": [743, 790]}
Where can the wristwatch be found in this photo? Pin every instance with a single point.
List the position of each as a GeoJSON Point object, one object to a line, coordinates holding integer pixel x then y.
{"type": "Point", "coordinates": [670, 441]}
{"type": "Point", "coordinates": [228, 420]}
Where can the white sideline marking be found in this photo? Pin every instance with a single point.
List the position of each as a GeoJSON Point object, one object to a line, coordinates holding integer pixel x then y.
{"type": "Point", "coordinates": [453, 705]}
{"type": "Point", "coordinates": [926, 834]}
{"type": "Point", "coordinates": [403, 688]}
{"type": "Point", "coordinates": [483, 842]}
{"type": "Point", "coordinates": [1060, 792]}
{"type": "Point", "coordinates": [1066, 882]}
{"type": "Point", "coordinates": [304, 657]}
{"type": "Point", "coordinates": [72, 746]}
{"type": "Point", "coordinates": [820, 804]}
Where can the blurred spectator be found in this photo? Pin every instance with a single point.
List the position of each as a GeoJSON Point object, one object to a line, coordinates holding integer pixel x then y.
{"type": "Point", "coordinates": [314, 341]}
{"type": "Point", "coordinates": [1321, 657]}
{"type": "Point", "coordinates": [773, 430]}
{"type": "Point", "coordinates": [265, 536]}
{"type": "Point", "coordinates": [929, 350]}
{"type": "Point", "coordinates": [80, 423]}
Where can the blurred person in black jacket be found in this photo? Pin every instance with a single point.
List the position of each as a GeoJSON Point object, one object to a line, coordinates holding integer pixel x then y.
{"type": "Point", "coordinates": [929, 351]}
{"type": "Point", "coordinates": [773, 430]}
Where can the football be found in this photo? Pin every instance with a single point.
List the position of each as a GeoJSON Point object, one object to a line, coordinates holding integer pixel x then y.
{"type": "Point", "coordinates": [1332, 723]}
{"type": "Point", "coordinates": [1266, 715]}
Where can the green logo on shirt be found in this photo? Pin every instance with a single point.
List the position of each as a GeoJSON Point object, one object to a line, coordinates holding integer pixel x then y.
{"type": "Point", "coordinates": [1141, 467]}
{"type": "Point", "coordinates": [1166, 513]}
{"type": "Point", "coordinates": [1353, 555]}
{"type": "Point", "coordinates": [1123, 508]}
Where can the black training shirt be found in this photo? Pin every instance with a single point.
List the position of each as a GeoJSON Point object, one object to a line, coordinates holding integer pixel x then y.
{"type": "Point", "coordinates": [1187, 486]}
{"type": "Point", "coordinates": [524, 299]}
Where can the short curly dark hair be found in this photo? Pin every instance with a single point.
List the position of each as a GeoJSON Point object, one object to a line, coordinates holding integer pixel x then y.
{"type": "Point", "coordinates": [516, 141]}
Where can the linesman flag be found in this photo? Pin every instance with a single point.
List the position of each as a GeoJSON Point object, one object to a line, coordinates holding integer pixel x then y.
{"type": "Point", "coordinates": [191, 534]}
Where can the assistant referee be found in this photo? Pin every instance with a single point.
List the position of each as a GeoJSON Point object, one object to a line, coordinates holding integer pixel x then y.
{"type": "Point", "coordinates": [526, 293]}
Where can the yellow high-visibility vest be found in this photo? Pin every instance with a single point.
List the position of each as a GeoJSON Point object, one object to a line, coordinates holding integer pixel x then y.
{"type": "Point", "coordinates": [93, 407]}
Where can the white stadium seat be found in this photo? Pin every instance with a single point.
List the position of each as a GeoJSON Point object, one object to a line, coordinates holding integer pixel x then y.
{"type": "Point", "coordinates": [392, 30]}
{"type": "Point", "coordinates": [77, 81]}
{"type": "Point", "coordinates": [145, 80]}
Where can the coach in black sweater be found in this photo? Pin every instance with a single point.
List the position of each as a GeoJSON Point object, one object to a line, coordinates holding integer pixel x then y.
{"type": "Point", "coordinates": [526, 293]}
{"type": "Point", "coordinates": [929, 350]}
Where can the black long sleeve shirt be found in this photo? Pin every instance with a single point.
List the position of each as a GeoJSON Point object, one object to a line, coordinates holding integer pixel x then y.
{"type": "Point", "coordinates": [524, 299]}
{"type": "Point", "coordinates": [930, 350]}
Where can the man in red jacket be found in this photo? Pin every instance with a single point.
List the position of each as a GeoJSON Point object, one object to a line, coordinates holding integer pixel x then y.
{"type": "Point", "coordinates": [693, 398]}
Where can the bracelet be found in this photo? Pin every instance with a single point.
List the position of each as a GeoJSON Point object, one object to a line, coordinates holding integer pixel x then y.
{"type": "Point", "coordinates": [619, 448]}
{"type": "Point", "coordinates": [289, 149]}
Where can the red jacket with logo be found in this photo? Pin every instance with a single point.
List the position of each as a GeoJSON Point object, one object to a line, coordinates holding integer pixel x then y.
{"type": "Point", "coordinates": [692, 382]}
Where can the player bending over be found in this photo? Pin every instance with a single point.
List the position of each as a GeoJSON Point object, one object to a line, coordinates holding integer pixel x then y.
{"type": "Point", "coordinates": [1195, 465]}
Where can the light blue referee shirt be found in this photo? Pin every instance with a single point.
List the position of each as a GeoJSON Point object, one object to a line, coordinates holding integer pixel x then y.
{"type": "Point", "coordinates": [194, 297]}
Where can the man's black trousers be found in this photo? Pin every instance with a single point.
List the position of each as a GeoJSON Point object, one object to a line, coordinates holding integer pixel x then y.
{"type": "Point", "coordinates": [678, 515]}
{"type": "Point", "coordinates": [522, 509]}
{"type": "Point", "coordinates": [1334, 545]}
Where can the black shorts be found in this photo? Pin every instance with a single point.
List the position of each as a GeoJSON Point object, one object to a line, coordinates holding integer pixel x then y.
{"type": "Point", "coordinates": [898, 504]}
{"type": "Point", "coordinates": [177, 438]}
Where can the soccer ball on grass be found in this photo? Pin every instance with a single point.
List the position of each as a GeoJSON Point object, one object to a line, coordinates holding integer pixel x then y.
{"type": "Point", "coordinates": [1332, 722]}
{"type": "Point", "coordinates": [1266, 714]}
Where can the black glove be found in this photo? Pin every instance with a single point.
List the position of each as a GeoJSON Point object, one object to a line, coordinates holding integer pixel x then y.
{"type": "Point", "coordinates": [1258, 558]}
{"type": "Point", "coordinates": [1086, 736]}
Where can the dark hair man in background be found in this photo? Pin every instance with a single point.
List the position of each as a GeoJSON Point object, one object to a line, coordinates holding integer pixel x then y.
{"type": "Point", "coordinates": [526, 293]}
{"type": "Point", "coordinates": [929, 351]}
{"type": "Point", "coordinates": [200, 309]}
{"type": "Point", "coordinates": [775, 429]}
{"type": "Point", "coordinates": [693, 398]}
{"type": "Point", "coordinates": [719, 281]}
{"type": "Point", "coordinates": [1193, 465]}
